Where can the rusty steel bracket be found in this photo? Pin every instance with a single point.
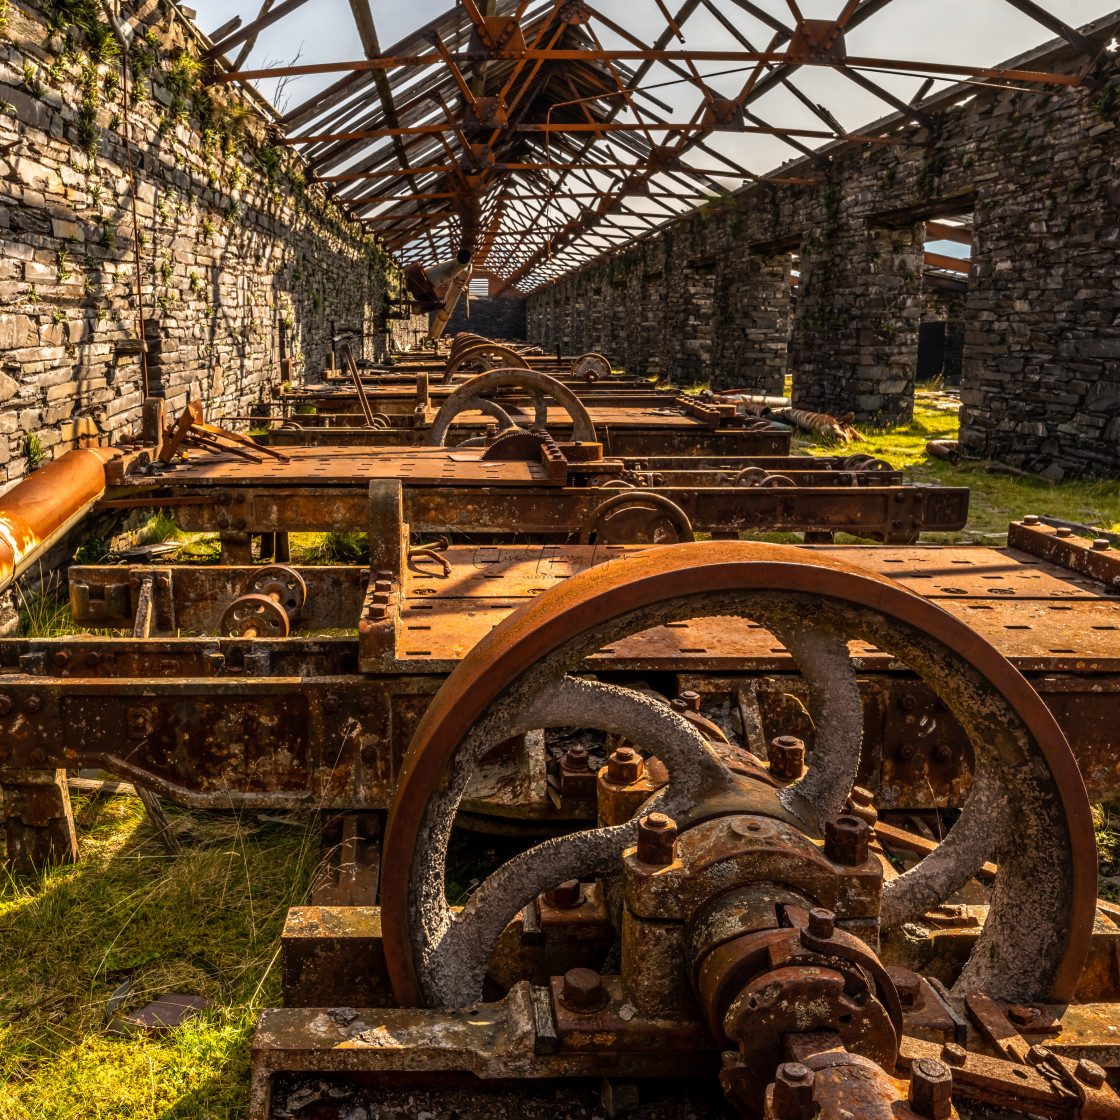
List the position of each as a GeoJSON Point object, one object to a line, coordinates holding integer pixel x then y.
{"type": "Point", "coordinates": [1060, 546]}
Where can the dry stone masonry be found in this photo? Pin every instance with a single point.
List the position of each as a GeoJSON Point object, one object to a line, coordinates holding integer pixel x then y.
{"type": "Point", "coordinates": [710, 298]}
{"type": "Point", "coordinates": [241, 261]}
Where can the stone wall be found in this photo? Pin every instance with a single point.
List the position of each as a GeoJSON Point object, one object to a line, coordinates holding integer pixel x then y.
{"type": "Point", "coordinates": [491, 317]}
{"type": "Point", "coordinates": [710, 300]}
{"type": "Point", "coordinates": [241, 263]}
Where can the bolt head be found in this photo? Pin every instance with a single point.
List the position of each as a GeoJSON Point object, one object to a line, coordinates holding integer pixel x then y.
{"type": "Point", "coordinates": [1101, 544]}
{"type": "Point", "coordinates": [787, 758]}
{"type": "Point", "coordinates": [931, 1089]}
{"type": "Point", "coordinates": [38, 755]}
{"type": "Point", "coordinates": [61, 659]}
{"type": "Point", "coordinates": [567, 896]}
{"type": "Point", "coordinates": [908, 984]}
{"type": "Point", "coordinates": [1063, 532]}
{"type": "Point", "coordinates": [1031, 519]}
{"type": "Point", "coordinates": [822, 923]}
{"type": "Point", "coordinates": [954, 1054]}
{"type": "Point", "coordinates": [908, 702]}
{"type": "Point", "coordinates": [845, 839]}
{"type": "Point", "coordinates": [5, 705]}
{"type": "Point", "coordinates": [691, 700]}
{"type": "Point", "coordinates": [906, 752]}
{"type": "Point", "coordinates": [624, 766]}
{"type": "Point", "coordinates": [793, 1092]}
{"type": "Point", "coordinates": [332, 703]}
{"type": "Point", "coordinates": [1089, 1073]}
{"type": "Point", "coordinates": [583, 990]}
{"type": "Point", "coordinates": [34, 703]}
{"type": "Point", "coordinates": [575, 759]}
{"type": "Point", "coordinates": [656, 834]}
{"type": "Point", "coordinates": [942, 752]}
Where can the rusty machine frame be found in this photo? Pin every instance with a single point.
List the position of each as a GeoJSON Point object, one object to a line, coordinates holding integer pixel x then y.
{"type": "Point", "coordinates": [716, 893]}
{"type": "Point", "coordinates": [825, 832]}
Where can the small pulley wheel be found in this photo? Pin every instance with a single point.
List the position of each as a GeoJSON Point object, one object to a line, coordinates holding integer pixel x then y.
{"type": "Point", "coordinates": [751, 476]}
{"type": "Point", "coordinates": [590, 368]}
{"type": "Point", "coordinates": [283, 585]}
{"type": "Point", "coordinates": [254, 616]}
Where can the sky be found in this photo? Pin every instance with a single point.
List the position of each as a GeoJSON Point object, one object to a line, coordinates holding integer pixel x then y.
{"type": "Point", "coordinates": [962, 32]}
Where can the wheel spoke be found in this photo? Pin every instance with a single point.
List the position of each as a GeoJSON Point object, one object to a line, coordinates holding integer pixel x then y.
{"type": "Point", "coordinates": [455, 952]}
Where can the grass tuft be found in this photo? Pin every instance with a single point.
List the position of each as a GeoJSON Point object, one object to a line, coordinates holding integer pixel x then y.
{"type": "Point", "coordinates": [207, 923]}
{"type": "Point", "coordinates": [329, 548]}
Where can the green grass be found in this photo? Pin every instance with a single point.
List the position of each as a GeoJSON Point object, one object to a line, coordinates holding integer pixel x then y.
{"type": "Point", "coordinates": [329, 548]}
{"type": "Point", "coordinates": [996, 499]}
{"type": "Point", "coordinates": [207, 923]}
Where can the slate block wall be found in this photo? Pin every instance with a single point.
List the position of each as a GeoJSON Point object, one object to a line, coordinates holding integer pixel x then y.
{"type": "Point", "coordinates": [238, 256]}
{"type": "Point", "coordinates": [1037, 171]}
{"type": "Point", "coordinates": [495, 317]}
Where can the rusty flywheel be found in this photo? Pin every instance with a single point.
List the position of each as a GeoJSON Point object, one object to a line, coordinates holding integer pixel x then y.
{"type": "Point", "coordinates": [1027, 806]}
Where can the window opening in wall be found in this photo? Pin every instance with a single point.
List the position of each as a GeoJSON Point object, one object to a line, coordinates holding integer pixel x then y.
{"type": "Point", "coordinates": [948, 256]}
{"type": "Point", "coordinates": [480, 288]}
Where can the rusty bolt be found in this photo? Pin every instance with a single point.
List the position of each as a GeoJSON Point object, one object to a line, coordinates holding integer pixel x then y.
{"type": "Point", "coordinates": [861, 804]}
{"type": "Point", "coordinates": [793, 1092]}
{"type": "Point", "coordinates": [163, 582]}
{"type": "Point", "coordinates": [787, 757]}
{"type": "Point", "coordinates": [38, 755]}
{"type": "Point", "coordinates": [1063, 532]}
{"type": "Point", "coordinates": [908, 985]}
{"type": "Point", "coordinates": [908, 702]}
{"type": "Point", "coordinates": [678, 705]}
{"type": "Point", "coordinates": [624, 766]}
{"type": "Point", "coordinates": [575, 758]}
{"type": "Point", "coordinates": [567, 896]}
{"type": "Point", "coordinates": [583, 990]}
{"type": "Point", "coordinates": [691, 700]}
{"type": "Point", "coordinates": [1101, 544]}
{"type": "Point", "coordinates": [906, 752]}
{"type": "Point", "coordinates": [1031, 519]}
{"type": "Point", "coordinates": [822, 922]}
{"type": "Point", "coordinates": [93, 658]}
{"type": "Point", "coordinates": [942, 752]}
{"type": "Point", "coordinates": [1089, 1073]}
{"type": "Point", "coordinates": [931, 1089]}
{"type": "Point", "coordinates": [5, 705]}
{"type": "Point", "coordinates": [656, 834]}
{"type": "Point", "coordinates": [331, 703]}
{"type": "Point", "coordinates": [383, 586]}
{"type": "Point", "coordinates": [375, 612]}
{"type": "Point", "coordinates": [845, 839]}
{"type": "Point", "coordinates": [61, 659]}
{"type": "Point", "coordinates": [34, 703]}
{"type": "Point", "coordinates": [1037, 1055]}
{"type": "Point", "coordinates": [954, 1054]}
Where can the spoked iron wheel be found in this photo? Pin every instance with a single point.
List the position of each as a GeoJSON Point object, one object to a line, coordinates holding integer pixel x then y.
{"type": "Point", "coordinates": [1027, 805]}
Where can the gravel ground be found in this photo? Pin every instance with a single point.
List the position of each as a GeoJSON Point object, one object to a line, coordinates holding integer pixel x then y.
{"type": "Point", "coordinates": [301, 1098]}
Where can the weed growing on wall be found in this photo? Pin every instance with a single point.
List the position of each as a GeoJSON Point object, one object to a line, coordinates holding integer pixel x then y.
{"type": "Point", "coordinates": [33, 450]}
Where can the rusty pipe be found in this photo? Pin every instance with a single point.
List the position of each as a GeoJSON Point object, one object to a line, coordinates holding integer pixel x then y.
{"type": "Point", "coordinates": [49, 502]}
{"type": "Point", "coordinates": [947, 449]}
{"type": "Point", "coordinates": [459, 282]}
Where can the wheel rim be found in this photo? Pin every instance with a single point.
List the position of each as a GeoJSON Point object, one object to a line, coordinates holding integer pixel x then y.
{"type": "Point", "coordinates": [1044, 899]}
{"type": "Point", "coordinates": [469, 396]}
